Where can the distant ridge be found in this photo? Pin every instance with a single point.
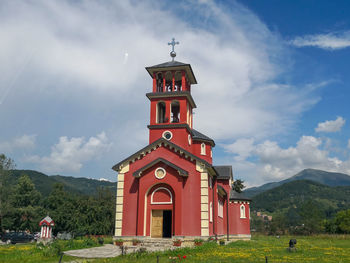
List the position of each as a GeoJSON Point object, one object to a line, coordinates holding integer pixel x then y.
{"type": "Point", "coordinates": [44, 183]}
{"type": "Point", "coordinates": [318, 176]}
{"type": "Point", "coordinates": [293, 194]}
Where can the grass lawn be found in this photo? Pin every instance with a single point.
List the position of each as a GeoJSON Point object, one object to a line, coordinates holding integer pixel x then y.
{"type": "Point", "coordinates": [322, 248]}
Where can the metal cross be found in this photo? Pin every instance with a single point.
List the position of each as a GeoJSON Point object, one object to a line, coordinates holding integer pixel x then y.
{"type": "Point", "coordinates": [173, 43]}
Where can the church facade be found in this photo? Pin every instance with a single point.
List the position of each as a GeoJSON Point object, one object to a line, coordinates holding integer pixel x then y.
{"type": "Point", "coordinates": [170, 188]}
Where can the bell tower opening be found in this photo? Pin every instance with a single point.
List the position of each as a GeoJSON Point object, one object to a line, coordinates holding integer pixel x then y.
{"type": "Point", "coordinates": [161, 112]}
{"type": "Point", "coordinates": [175, 112]}
{"type": "Point", "coordinates": [159, 82]}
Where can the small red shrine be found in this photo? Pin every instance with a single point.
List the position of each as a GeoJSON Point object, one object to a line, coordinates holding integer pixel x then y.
{"type": "Point", "coordinates": [46, 227]}
{"type": "Point", "coordinates": [170, 188]}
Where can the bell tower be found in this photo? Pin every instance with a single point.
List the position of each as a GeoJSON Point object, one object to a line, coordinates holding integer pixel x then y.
{"type": "Point", "coordinates": [171, 114]}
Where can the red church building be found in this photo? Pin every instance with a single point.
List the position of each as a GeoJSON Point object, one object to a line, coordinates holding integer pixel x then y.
{"type": "Point", "coordinates": [170, 188]}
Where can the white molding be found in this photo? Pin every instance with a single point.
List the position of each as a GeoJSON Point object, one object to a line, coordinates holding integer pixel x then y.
{"type": "Point", "coordinates": [161, 203]}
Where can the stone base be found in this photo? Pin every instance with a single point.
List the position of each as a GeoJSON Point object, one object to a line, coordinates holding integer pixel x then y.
{"type": "Point", "coordinates": [186, 241]}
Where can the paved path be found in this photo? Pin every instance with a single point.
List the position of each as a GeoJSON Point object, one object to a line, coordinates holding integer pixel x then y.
{"type": "Point", "coordinates": [110, 251]}
{"type": "Point", "coordinates": [106, 251]}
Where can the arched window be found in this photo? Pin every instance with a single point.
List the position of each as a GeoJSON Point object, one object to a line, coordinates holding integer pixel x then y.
{"type": "Point", "coordinates": [159, 82]}
{"type": "Point", "coordinates": [242, 211]}
{"type": "Point", "coordinates": [161, 112]}
{"type": "Point", "coordinates": [203, 149]}
{"type": "Point", "coordinates": [175, 111]}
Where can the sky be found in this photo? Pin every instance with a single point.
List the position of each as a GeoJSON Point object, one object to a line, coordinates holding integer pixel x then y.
{"type": "Point", "coordinates": [273, 82]}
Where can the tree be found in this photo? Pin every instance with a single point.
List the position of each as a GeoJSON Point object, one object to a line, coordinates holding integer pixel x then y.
{"type": "Point", "coordinates": [311, 217]}
{"type": "Point", "coordinates": [238, 185]}
{"type": "Point", "coordinates": [6, 164]}
{"type": "Point", "coordinates": [342, 220]}
{"type": "Point", "coordinates": [26, 204]}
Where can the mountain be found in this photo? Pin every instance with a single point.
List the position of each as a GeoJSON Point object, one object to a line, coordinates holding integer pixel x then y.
{"type": "Point", "coordinates": [293, 194]}
{"type": "Point", "coordinates": [322, 177]}
{"type": "Point", "coordinates": [44, 183]}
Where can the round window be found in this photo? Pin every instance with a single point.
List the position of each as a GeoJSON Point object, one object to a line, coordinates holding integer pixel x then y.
{"type": "Point", "coordinates": [167, 135]}
{"type": "Point", "coordinates": [160, 173]}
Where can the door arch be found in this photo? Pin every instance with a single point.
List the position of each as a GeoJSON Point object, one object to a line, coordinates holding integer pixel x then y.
{"type": "Point", "coordinates": [159, 215]}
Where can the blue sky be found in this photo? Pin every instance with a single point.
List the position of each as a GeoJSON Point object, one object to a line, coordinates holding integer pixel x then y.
{"type": "Point", "coordinates": [272, 90]}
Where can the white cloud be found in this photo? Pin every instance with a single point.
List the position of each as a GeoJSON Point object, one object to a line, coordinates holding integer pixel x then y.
{"type": "Point", "coordinates": [84, 45]}
{"type": "Point", "coordinates": [85, 61]}
{"type": "Point", "coordinates": [24, 142]}
{"type": "Point", "coordinates": [330, 41]}
{"type": "Point", "coordinates": [104, 180]}
{"type": "Point", "coordinates": [275, 163]}
{"type": "Point", "coordinates": [349, 143]}
{"type": "Point", "coordinates": [242, 148]}
{"type": "Point", "coordinates": [68, 155]}
{"type": "Point", "coordinates": [330, 126]}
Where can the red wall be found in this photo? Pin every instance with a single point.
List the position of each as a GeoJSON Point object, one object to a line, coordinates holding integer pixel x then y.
{"type": "Point", "coordinates": [186, 194]}
{"type": "Point", "coordinates": [239, 225]}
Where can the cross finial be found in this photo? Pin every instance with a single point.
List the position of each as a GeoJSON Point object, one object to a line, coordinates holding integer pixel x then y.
{"type": "Point", "coordinates": [173, 43]}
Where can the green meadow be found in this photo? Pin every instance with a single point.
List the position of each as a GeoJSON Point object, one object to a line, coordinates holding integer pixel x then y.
{"type": "Point", "coordinates": [321, 248]}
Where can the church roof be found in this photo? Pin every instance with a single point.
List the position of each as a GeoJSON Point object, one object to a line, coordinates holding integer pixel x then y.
{"type": "Point", "coordinates": [197, 136]}
{"type": "Point", "coordinates": [156, 144]}
{"type": "Point", "coordinates": [181, 171]}
{"type": "Point", "coordinates": [169, 64]}
{"type": "Point", "coordinates": [173, 65]}
{"type": "Point", "coordinates": [238, 196]}
{"type": "Point", "coordinates": [224, 172]}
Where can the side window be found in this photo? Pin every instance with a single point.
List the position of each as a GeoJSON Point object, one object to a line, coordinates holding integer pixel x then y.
{"type": "Point", "coordinates": [242, 211]}
{"type": "Point", "coordinates": [203, 149]}
{"type": "Point", "coordinates": [220, 208]}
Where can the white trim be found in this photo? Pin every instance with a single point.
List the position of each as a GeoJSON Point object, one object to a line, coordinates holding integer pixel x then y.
{"type": "Point", "coordinates": [161, 203]}
{"type": "Point", "coordinates": [211, 212]}
{"type": "Point", "coordinates": [163, 135]}
{"type": "Point", "coordinates": [155, 173]}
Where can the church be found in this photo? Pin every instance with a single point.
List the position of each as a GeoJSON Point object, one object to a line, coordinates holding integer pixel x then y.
{"type": "Point", "coordinates": [170, 188]}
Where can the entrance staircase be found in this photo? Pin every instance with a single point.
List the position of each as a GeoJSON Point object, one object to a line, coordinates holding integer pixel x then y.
{"type": "Point", "coordinates": [151, 245]}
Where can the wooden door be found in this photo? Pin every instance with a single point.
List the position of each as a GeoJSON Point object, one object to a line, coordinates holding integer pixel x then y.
{"type": "Point", "coordinates": [157, 223]}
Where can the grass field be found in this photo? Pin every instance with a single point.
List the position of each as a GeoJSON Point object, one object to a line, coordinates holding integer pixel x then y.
{"type": "Point", "coordinates": [309, 249]}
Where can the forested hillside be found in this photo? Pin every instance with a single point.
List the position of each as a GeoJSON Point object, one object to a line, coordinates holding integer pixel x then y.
{"type": "Point", "coordinates": [293, 194]}
{"type": "Point", "coordinates": [44, 183]}
{"type": "Point", "coordinates": [318, 176]}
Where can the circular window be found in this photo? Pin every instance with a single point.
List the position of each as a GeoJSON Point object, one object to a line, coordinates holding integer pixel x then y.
{"type": "Point", "coordinates": [160, 173]}
{"type": "Point", "coordinates": [189, 139]}
{"type": "Point", "coordinates": [167, 135]}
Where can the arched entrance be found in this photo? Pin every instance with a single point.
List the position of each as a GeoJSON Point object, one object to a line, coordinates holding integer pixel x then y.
{"type": "Point", "coordinates": [160, 204]}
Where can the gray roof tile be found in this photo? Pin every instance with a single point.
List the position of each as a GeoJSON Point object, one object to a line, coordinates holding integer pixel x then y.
{"type": "Point", "coordinates": [224, 172]}
{"type": "Point", "coordinates": [196, 135]}
{"type": "Point", "coordinates": [238, 196]}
